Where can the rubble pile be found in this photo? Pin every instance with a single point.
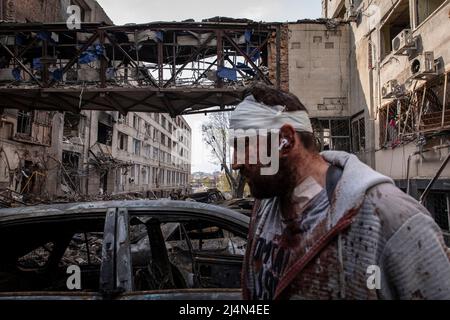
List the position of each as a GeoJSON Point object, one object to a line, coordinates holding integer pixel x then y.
{"type": "Point", "coordinates": [78, 254]}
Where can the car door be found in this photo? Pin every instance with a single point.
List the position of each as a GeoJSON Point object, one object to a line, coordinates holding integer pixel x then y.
{"type": "Point", "coordinates": [158, 275]}
{"type": "Point", "coordinates": [43, 259]}
{"type": "Point", "coordinates": [217, 253]}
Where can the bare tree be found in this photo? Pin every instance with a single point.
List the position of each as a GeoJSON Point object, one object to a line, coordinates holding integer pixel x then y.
{"type": "Point", "coordinates": [215, 134]}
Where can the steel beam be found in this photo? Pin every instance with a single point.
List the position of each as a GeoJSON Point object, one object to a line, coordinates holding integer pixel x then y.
{"type": "Point", "coordinates": [247, 58]}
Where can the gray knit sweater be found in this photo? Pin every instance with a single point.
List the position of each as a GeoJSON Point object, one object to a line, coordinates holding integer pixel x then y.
{"type": "Point", "coordinates": [391, 231]}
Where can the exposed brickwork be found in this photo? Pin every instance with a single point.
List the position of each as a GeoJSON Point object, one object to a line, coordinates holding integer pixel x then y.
{"type": "Point", "coordinates": [34, 10]}
{"type": "Point", "coordinates": [48, 11]}
{"type": "Point", "coordinates": [284, 61]}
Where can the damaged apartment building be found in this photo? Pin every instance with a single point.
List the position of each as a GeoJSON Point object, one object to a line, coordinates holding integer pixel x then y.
{"type": "Point", "coordinates": [374, 78]}
{"type": "Point", "coordinates": [387, 68]}
{"type": "Point", "coordinates": [50, 155]}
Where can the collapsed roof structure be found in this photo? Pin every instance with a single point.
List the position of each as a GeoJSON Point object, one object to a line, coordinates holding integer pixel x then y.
{"type": "Point", "coordinates": [171, 67]}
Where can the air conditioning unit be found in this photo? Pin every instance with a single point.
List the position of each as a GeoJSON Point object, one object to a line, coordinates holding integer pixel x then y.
{"type": "Point", "coordinates": [423, 65]}
{"type": "Point", "coordinates": [390, 89]}
{"type": "Point", "coordinates": [403, 41]}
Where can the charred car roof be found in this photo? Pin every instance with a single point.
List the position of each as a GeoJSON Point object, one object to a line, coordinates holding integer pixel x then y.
{"type": "Point", "coordinates": [133, 206]}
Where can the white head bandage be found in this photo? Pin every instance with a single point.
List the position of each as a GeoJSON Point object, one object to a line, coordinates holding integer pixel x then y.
{"type": "Point", "coordinates": [250, 114]}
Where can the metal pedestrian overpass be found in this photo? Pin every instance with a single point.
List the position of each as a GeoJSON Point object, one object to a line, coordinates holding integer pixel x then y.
{"type": "Point", "coordinates": [170, 67]}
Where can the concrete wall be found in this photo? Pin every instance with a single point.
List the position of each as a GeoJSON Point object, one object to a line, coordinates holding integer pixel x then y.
{"type": "Point", "coordinates": [318, 67]}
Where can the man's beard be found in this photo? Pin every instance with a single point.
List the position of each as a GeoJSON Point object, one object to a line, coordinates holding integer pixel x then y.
{"type": "Point", "coordinates": [269, 186]}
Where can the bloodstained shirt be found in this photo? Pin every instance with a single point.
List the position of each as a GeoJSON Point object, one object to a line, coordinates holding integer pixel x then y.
{"type": "Point", "coordinates": [271, 252]}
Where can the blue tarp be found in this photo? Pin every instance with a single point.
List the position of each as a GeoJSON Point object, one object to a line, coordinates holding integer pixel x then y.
{"type": "Point", "coordinates": [20, 39]}
{"type": "Point", "coordinates": [87, 57]}
{"type": "Point", "coordinates": [58, 74]}
{"type": "Point", "coordinates": [248, 36]}
{"type": "Point", "coordinates": [160, 36]}
{"type": "Point", "coordinates": [91, 54]}
{"type": "Point", "coordinates": [37, 65]}
{"type": "Point", "coordinates": [110, 73]}
{"type": "Point", "coordinates": [44, 35]}
{"type": "Point", "coordinates": [227, 73]}
{"type": "Point", "coordinates": [16, 74]}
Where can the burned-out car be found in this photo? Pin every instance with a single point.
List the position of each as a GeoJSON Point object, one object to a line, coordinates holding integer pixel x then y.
{"type": "Point", "coordinates": [143, 249]}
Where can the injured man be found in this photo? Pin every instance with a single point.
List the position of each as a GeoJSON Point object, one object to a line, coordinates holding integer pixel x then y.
{"type": "Point", "coordinates": [325, 225]}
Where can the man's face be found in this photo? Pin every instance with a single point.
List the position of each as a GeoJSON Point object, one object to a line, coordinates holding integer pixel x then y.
{"type": "Point", "coordinates": [263, 185]}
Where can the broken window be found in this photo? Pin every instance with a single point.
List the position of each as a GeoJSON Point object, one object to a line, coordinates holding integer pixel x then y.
{"type": "Point", "coordinates": [184, 255]}
{"type": "Point", "coordinates": [137, 175]}
{"type": "Point", "coordinates": [24, 121]}
{"type": "Point", "coordinates": [136, 147]}
{"type": "Point", "coordinates": [160, 177]}
{"type": "Point", "coordinates": [105, 129]}
{"type": "Point", "coordinates": [122, 119]}
{"type": "Point", "coordinates": [136, 122]}
{"type": "Point", "coordinates": [123, 141]}
{"type": "Point", "coordinates": [148, 129]}
{"type": "Point", "coordinates": [145, 174]}
{"type": "Point", "coordinates": [424, 8]}
{"type": "Point", "coordinates": [154, 175]}
{"type": "Point", "coordinates": [333, 134]}
{"type": "Point", "coordinates": [132, 174]}
{"type": "Point", "coordinates": [70, 174]}
{"type": "Point", "coordinates": [39, 261]}
{"type": "Point", "coordinates": [103, 182]}
{"type": "Point", "coordinates": [147, 150]}
{"type": "Point", "coordinates": [397, 22]}
{"type": "Point", "coordinates": [358, 135]}
{"type": "Point", "coordinates": [104, 134]}
{"type": "Point", "coordinates": [438, 202]}
{"type": "Point", "coordinates": [397, 120]}
{"type": "Point", "coordinates": [73, 125]}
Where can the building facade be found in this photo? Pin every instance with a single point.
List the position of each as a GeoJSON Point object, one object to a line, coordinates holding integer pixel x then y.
{"type": "Point", "coordinates": [48, 155]}
{"type": "Point", "coordinates": [374, 78]}
{"type": "Point", "coordinates": [398, 102]}
{"type": "Point", "coordinates": [142, 153]}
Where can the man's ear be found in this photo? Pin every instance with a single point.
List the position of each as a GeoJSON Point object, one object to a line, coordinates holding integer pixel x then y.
{"type": "Point", "coordinates": [287, 140]}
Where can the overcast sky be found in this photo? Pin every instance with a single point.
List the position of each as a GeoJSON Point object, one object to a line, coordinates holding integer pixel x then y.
{"type": "Point", "coordinates": [142, 11]}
